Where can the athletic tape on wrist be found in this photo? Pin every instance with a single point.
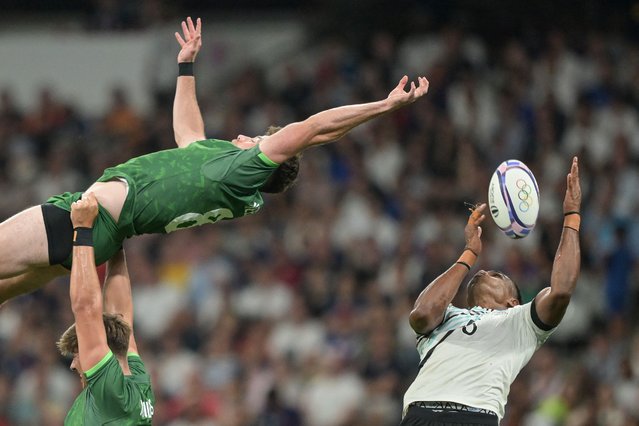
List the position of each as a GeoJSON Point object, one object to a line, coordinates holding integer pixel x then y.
{"type": "Point", "coordinates": [83, 236]}
{"type": "Point", "coordinates": [572, 221]}
{"type": "Point", "coordinates": [467, 258]}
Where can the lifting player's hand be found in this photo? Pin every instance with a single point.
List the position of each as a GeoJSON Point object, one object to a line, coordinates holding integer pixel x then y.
{"type": "Point", "coordinates": [399, 97]}
{"type": "Point", "coordinates": [472, 232]}
{"type": "Point", "coordinates": [572, 200]}
{"type": "Point", "coordinates": [192, 41]}
{"type": "Point", "coordinates": [84, 211]}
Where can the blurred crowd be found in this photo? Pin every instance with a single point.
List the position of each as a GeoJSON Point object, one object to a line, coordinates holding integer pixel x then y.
{"type": "Point", "coordinates": [298, 315]}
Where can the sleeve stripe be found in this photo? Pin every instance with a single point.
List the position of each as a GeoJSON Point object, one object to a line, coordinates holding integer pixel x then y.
{"type": "Point", "coordinates": [133, 355]}
{"type": "Point", "coordinates": [267, 160]}
{"type": "Point", "coordinates": [91, 371]}
{"type": "Point", "coordinates": [538, 322]}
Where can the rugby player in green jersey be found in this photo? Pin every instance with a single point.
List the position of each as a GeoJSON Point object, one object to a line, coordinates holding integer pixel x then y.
{"type": "Point", "coordinates": [202, 181]}
{"type": "Point", "coordinates": [116, 386]}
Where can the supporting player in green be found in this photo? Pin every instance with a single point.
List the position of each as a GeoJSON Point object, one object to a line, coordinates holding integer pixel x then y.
{"type": "Point", "coordinates": [116, 385]}
{"type": "Point", "coordinates": [109, 396]}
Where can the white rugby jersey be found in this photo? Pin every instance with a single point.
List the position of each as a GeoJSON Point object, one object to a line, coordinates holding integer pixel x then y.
{"type": "Point", "coordinates": [474, 355]}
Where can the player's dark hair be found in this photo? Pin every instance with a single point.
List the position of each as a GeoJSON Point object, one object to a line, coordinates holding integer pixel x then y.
{"type": "Point", "coordinates": [284, 175]}
{"type": "Point", "coordinates": [117, 334]}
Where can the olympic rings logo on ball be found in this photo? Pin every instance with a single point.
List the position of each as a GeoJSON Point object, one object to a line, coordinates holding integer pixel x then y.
{"type": "Point", "coordinates": [524, 195]}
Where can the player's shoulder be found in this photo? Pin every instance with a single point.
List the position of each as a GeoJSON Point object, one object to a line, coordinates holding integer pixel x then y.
{"type": "Point", "coordinates": [456, 317]}
{"type": "Point", "coordinates": [522, 309]}
{"type": "Point", "coordinates": [103, 368]}
{"type": "Point", "coordinates": [453, 311]}
{"type": "Point", "coordinates": [212, 143]}
{"type": "Point", "coordinates": [134, 358]}
{"type": "Point", "coordinates": [136, 365]}
{"type": "Point", "coordinates": [520, 316]}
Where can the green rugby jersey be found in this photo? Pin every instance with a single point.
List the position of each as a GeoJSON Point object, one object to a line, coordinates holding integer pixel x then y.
{"type": "Point", "coordinates": [111, 398]}
{"type": "Point", "coordinates": [178, 188]}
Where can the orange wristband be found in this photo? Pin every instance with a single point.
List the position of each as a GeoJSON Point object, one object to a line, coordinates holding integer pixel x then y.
{"type": "Point", "coordinates": [572, 221]}
{"type": "Point", "coordinates": [468, 257]}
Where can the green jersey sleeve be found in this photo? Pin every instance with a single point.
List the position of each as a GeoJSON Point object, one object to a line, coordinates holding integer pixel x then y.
{"type": "Point", "coordinates": [136, 365]}
{"type": "Point", "coordinates": [243, 173]}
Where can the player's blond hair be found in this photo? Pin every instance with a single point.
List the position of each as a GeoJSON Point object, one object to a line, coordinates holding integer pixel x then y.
{"type": "Point", "coordinates": [286, 173]}
{"type": "Point", "coordinates": [117, 333]}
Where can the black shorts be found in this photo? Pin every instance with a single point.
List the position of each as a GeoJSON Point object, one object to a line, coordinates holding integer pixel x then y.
{"type": "Point", "coordinates": [418, 416]}
{"type": "Point", "coordinates": [107, 236]}
{"type": "Point", "coordinates": [57, 223]}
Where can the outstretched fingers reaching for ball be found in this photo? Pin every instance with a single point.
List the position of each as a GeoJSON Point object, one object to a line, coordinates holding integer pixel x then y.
{"type": "Point", "coordinates": [401, 97]}
{"type": "Point", "coordinates": [572, 200]}
{"type": "Point", "coordinates": [472, 232]}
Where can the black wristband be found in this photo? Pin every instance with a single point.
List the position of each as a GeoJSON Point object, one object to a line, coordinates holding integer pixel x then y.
{"type": "Point", "coordinates": [570, 227]}
{"type": "Point", "coordinates": [572, 212]}
{"type": "Point", "coordinates": [83, 236]}
{"type": "Point", "coordinates": [185, 69]}
{"type": "Point", "coordinates": [463, 263]}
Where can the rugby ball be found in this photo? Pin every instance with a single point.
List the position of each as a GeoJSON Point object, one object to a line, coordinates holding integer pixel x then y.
{"type": "Point", "coordinates": [513, 198]}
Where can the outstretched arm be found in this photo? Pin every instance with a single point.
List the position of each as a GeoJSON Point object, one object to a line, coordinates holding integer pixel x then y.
{"type": "Point", "coordinates": [551, 303]}
{"type": "Point", "coordinates": [86, 297]}
{"type": "Point", "coordinates": [433, 301]}
{"type": "Point", "coordinates": [188, 125]}
{"type": "Point", "coordinates": [117, 293]}
{"type": "Point", "coordinates": [332, 124]}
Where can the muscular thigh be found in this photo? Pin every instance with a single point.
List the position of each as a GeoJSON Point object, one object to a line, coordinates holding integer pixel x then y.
{"type": "Point", "coordinates": [23, 243]}
{"type": "Point", "coordinates": [29, 281]}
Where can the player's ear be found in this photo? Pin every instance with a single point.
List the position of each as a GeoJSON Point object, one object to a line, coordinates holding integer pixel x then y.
{"type": "Point", "coordinates": [512, 302]}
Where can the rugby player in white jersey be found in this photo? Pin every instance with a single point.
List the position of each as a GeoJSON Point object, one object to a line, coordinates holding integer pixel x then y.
{"type": "Point", "coordinates": [470, 357]}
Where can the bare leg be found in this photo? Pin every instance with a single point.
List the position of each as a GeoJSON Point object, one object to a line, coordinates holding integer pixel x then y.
{"type": "Point", "coordinates": [23, 243]}
{"type": "Point", "coordinates": [29, 281]}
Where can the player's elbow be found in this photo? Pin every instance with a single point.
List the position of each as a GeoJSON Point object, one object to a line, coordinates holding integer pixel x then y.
{"type": "Point", "coordinates": [560, 297]}
{"type": "Point", "coordinates": [319, 132]}
{"type": "Point", "coordinates": [86, 306]}
{"type": "Point", "coordinates": [422, 321]}
{"type": "Point", "coordinates": [326, 138]}
{"type": "Point", "coordinates": [562, 287]}
{"type": "Point", "coordinates": [558, 300]}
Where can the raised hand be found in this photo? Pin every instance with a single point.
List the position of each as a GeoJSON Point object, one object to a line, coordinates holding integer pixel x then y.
{"type": "Point", "coordinates": [192, 41]}
{"type": "Point", "coordinates": [84, 211]}
{"type": "Point", "coordinates": [572, 200]}
{"type": "Point", "coordinates": [472, 232]}
{"type": "Point", "coordinates": [401, 97]}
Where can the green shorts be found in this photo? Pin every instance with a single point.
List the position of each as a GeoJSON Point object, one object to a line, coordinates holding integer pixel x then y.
{"type": "Point", "coordinates": [107, 234]}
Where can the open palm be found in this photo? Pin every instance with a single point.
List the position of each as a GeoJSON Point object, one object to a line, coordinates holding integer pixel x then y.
{"type": "Point", "coordinates": [192, 41]}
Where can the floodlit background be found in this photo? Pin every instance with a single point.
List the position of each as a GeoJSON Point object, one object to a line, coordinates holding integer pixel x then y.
{"type": "Point", "coordinates": [299, 314]}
